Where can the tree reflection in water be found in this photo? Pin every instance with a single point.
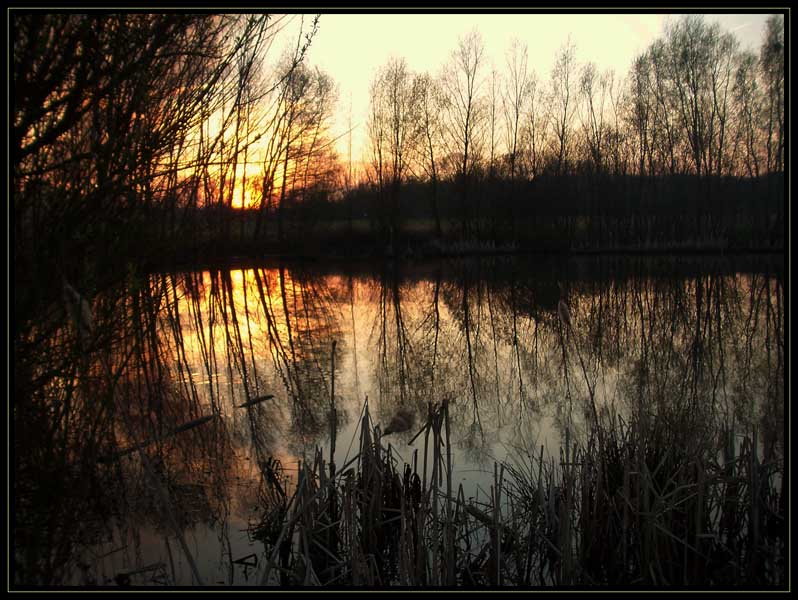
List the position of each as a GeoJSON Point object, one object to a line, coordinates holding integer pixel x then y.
{"type": "Point", "coordinates": [700, 344]}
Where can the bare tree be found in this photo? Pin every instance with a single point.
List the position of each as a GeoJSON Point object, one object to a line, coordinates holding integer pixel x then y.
{"type": "Point", "coordinates": [642, 111]}
{"type": "Point", "coordinates": [537, 126]}
{"type": "Point", "coordinates": [428, 95]}
{"type": "Point", "coordinates": [771, 59]}
{"type": "Point", "coordinates": [665, 113]}
{"type": "Point", "coordinates": [114, 112]}
{"type": "Point", "coordinates": [394, 128]}
{"type": "Point", "coordinates": [323, 99]}
{"type": "Point", "coordinates": [689, 50]}
{"type": "Point", "coordinates": [723, 56]}
{"type": "Point", "coordinates": [377, 126]}
{"type": "Point", "coordinates": [495, 83]}
{"type": "Point", "coordinates": [465, 114]}
{"type": "Point", "coordinates": [563, 105]}
{"type": "Point", "coordinates": [747, 98]}
{"type": "Point", "coordinates": [618, 139]}
{"type": "Point", "coordinates": [295, 125]}
{"type": "Point", "coordinates": [514, 99]}
{"type": "Point", "coordinates": [594, 89]}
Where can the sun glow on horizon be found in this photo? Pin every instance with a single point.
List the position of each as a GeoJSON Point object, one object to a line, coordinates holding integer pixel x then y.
{"type": "Point", "coordinates": [350, 48]}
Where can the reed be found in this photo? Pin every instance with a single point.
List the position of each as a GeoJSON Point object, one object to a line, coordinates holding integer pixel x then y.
{"type": "Point", "coordinates": [627, 507]}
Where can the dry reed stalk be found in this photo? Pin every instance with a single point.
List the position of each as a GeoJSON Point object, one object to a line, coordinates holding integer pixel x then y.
{"type": "Point", "coordinates": [498, 479]}
{"type": "Point", "coordinates": [625, 523]}
{"type": "Point", "coordinates": [564, 541]}
{"type": "Point", "coordinates": [755, 499]}
{"type": "Point", "coordinates": [403, 550]}
{"type": "Point", "coordinates": [333, 416]}
{"type": "Point", "coordinates": [536, 509]}
{"type": "Point", "coordinates": [332, 536]}
{"type": "Point", "coordinates": [255, 401]}
{"type": "Point", "coordinates": [450, 549]}
{"type": "Point", "coordinates": [421, 558]}
{"type": "Point", "coordinates": [699, 519]}
{"type": "Point", "coordinates": [350, 537]}
{"type": "Point", "coordinates": [435, 482]}
{"type": "Point", "coordinates": [289, 525]}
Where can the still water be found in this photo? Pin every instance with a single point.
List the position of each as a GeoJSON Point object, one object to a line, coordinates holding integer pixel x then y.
{"type": "Point", "coordinates": [488, 336]}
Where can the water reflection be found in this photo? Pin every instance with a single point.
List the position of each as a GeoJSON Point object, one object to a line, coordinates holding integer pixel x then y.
{"type": "Point", "coordinates": [193, 498]}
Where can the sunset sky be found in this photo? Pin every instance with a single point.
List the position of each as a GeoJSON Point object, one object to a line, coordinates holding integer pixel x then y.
{"type": "Point", "coordinates": [351, 47]}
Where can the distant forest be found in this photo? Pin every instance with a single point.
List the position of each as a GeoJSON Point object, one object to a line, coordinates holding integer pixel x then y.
{"type": "Point", "coordinates": [141, 136]}
{"type": "Point", "coordinates": [692, 138]}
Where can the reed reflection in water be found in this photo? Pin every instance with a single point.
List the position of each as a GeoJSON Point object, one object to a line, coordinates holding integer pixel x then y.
{"type": "Point", "coordinates": [187, 416]}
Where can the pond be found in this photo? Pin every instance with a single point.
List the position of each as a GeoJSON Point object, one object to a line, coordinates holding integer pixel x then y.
{"type": "Point", "coordinates": [149, 446]}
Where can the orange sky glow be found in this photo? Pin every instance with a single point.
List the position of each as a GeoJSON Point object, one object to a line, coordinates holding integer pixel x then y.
{"type": "Point", "coordinates": [351, 47]}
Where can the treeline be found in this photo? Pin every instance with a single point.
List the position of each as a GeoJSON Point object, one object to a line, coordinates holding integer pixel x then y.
{"type": "Point", "coordinates": [695, 120]}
